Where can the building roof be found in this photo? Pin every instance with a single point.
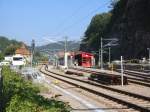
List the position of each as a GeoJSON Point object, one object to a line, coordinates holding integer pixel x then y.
{"type": "Point", "coordinates": [23, 51]}
{"type": "Point", "coordinates": [85, 53]}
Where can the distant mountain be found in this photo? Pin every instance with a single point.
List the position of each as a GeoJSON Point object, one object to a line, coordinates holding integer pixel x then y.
{"type": "Point", "coordinates": [59, 46]}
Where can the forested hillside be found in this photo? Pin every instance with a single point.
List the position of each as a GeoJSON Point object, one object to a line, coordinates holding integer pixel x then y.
{"type": "Point", "coordinates": [129, 21]}
{"type": "Point", "coordinates": [8, 47]}
{"type": "Point", "coordinates": [59, 46]}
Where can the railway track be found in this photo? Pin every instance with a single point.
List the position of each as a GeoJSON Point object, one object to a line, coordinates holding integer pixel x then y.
{"type": "Point", "coordinates": [131, 100]}
{"type": "Point", "coordinates": [138, 77]}
{"type": "Point", "coordinates": [145, 76]}
{"type": "Point", "coordinates": [137, 70]}
{"type": "Point", "coordinates": [131, 79]}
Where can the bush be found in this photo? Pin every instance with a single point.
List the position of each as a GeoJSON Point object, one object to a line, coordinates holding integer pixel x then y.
{"type": "Point", "coordinates": [22, 96]}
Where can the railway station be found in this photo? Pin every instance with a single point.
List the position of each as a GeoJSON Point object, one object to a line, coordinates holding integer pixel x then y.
{"type": "Point", "coordinates": [89, 78]}
{"type": "Point", "coordinates": [75, 56]}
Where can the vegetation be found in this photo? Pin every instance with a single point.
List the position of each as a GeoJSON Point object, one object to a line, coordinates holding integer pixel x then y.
{"type": "Point", "coordinates": [45, 52]}
{"type": "Point", "coordinates": [22, 96]}
{"type": "Point", "coordinates": [58, 46]}
{"type": "Point", "coordinates": [8, 47]}
{"type": "Point", "coordinates": [129, 22]}
{"type": "Point", "coordinates": [38, 56]}
{"type": "Point", "coordinates": [95, 31]}
{"type": "Point", "coordinates": [1, 56]}
{"type": "Point", "coordinates": [10, 50]}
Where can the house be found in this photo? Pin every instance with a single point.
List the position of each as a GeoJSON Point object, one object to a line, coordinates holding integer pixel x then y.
{"type": "Point", "coordinates": [8, 58]}
{"type": "Point", "coordinates": [24, 52]}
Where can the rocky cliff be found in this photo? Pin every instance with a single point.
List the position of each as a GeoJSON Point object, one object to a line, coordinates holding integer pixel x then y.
{"type": "Point", "coordinates": [130, 23]}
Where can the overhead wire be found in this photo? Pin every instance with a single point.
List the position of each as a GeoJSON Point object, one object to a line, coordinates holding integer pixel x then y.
{"type": "Point", "coordinates": [80, 20]}
{"type": "Point", "coordinates": [74, 14]}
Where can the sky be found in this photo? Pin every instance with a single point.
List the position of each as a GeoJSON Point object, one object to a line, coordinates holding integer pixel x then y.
{"type": "Point", "coordinates": [48, 20]}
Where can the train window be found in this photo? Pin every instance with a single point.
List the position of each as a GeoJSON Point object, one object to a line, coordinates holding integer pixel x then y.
{"type": "Point", "coordinates": [17, 58]}
{"type": "Point", "coordinates": [84, 59]}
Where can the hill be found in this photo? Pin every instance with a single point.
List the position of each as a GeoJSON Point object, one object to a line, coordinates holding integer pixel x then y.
{"type": "Point", "coordinates": [129, 22]}
{"type": "Point", "coordinates": [8, 47]}
{"type": "Point", "coordinates": [5, 42]}
{"type": "Point", "coordinates": [58, 46]}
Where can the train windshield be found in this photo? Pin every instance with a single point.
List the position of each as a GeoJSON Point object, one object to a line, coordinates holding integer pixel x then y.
{"type": "Point", "coordinates": [17, 58]}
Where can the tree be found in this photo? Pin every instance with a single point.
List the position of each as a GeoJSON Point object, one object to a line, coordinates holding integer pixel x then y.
{"type": "Point", "coordinates": [1, 56]}
{"type": "Point", "coordinates": [10, 50]}
{"type": "Point", "coordinates": [3, 43]}
{"type": "Point", "coordinates": [114, 3]}
{"type": "Point", "coordinates": [96, 30]}
{"type": "Point", "coordinates": [8, 46]}
{"type": "Point", "coordinates": [129, 22]}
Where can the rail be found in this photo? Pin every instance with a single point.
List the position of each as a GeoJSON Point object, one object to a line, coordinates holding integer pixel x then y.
{"type": "Point", "coordinates": [130, 79]}
{"type": "Point", "coordinates": [129, 104]}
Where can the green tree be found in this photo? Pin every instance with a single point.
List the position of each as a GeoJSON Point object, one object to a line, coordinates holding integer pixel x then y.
{"type": "Point", "coordinates": [4, 42]}
{"type": "Point", "coordinates": [96, 30]}
{"type": "Point", "coordinates": [1, 56]}
{"type": "Point", "coordinates": [8, 47]}
{"type": "Point", "coordinates": [129, 22]}
{"type": "Point", "coordinates": [10, 50]}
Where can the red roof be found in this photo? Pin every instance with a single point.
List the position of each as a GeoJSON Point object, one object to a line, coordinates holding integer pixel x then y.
{"type": "Point", "coordinates": [23, 51]}
{"type": "Point", "coordinates": [83, 53]}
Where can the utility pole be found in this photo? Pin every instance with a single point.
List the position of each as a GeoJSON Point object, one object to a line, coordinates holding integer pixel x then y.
{"type": "Point", "coordinates": [109, 55]}
{"type": "Point", "coordinates": [66, 56]}
{"type": "Point", "coordinates": [122, 71]}
{"type": "Point", "coordinates": [32, 51]}
{"type": "Point", "coordinates": [65, 44]}
{"type": "Point", "coordinates": [112, 43]}
{"type": "Point", "coordinates": [99, 58]}
{"type": "Point", "coordinates": [149, 54]}
{"type": "Point", "coordinates": [101, 53]}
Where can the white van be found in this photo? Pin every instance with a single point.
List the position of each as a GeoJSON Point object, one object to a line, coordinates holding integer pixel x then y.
{"type": "Point", "coordinates": [18, 60]}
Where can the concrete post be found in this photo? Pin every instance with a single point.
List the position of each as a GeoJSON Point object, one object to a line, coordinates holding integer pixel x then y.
{"type": "Point", "coordinates": [122, 71]}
